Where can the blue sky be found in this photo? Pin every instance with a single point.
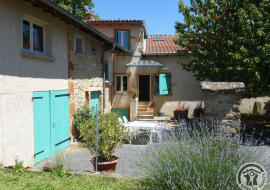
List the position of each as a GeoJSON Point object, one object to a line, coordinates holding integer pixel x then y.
{"type": "Point", "coordinates": [159, 15]}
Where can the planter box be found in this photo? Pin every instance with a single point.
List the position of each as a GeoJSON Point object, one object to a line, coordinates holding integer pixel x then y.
{"type": "Point", "coordinates": [180, 114]}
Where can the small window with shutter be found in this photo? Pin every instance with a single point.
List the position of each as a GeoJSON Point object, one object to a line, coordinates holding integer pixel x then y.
{"type": "Point", "coordinates": [162, 84]}
{"type": "Point", "coordinates": [122, 38]}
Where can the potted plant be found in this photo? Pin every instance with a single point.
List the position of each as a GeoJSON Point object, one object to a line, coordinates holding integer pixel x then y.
{"type": "Point", "coordinates": [180, 112]}
{"type": "Point", "coordinates": [134, 92]}
{"type": "Point", "coordinates": [111, 136]}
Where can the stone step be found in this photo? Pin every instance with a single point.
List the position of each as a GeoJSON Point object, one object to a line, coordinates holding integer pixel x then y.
{"type": "Point", "coordinates": [146, 109]}
{"type": "Point", "coordinates": [146, 103]}
{"type": "Point", "coordinates": [144, 117]}
{"type": "Point", "coordinates": [144, 106]}
{"type": "Point", "coordinates": [145, 112]}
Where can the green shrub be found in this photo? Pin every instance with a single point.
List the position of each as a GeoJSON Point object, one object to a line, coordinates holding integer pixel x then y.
{"type": "Point", "coordinates": [111, 134]}
{"type": "Point", "coordinates": [80, 116]}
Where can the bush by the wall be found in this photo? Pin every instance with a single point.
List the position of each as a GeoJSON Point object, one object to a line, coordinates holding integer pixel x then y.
{"type": "Point", "coordinates": [80, 116]}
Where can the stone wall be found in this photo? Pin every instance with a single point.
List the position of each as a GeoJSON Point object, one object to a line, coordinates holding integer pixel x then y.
{"type": "Point", "coordinates": [255, 105]}
{"type": "Point", "coordinates": [222, 101]}
{"type": "Point", "coordinates": [85, 71]}
{"type": "Point", "coordinates": [133, 109]}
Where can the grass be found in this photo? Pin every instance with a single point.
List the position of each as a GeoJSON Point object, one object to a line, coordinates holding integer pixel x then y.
{"type": "Point", "coordinates": [44, 180]}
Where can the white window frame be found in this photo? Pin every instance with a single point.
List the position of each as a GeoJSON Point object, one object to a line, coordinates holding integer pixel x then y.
{"type": "Point", "coordinates": [31, 22]}
{"type": "Point", "coordinates": [121, 83]}
{"type": "Point", "coordinates": [122, 37]}
{"type": "Point", "coordinates": [76, 35]}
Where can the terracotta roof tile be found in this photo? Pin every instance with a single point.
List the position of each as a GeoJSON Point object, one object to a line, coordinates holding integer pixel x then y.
{"type": "Point", "coordinates": [162, 46]}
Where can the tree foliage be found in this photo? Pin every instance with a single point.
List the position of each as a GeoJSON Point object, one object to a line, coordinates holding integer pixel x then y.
{"type": "Point", "coordinates": [227, 41]}
{"type": "Point", "coordinates": [77, 7]}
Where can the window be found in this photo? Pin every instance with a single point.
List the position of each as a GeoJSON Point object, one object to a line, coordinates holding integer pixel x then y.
{"type": "Point", "coordinates": [162, 84]}
{"type": "Point", "coordinates": [121, 84]}
{"type": "Point", "coordinates": [106, 70]}
{"type": "Point", "coordinates": [33, 36]}
{"type": "Point", "coordinates": [79, 44]}
{"type": "Point", "coordinates": [158, 39]}
{"type": "Point", "coordinates": [122, 38]}
{"type": "Point", "coordinates": [156, 91]}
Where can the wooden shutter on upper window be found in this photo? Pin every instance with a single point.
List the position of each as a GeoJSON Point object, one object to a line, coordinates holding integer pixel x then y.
{"type": "Point", "coordinates": [116, 36]}
{"type": "Point", "coordinates": [127, 39]}
{"type": "Point", "coordinates": [164, 84]}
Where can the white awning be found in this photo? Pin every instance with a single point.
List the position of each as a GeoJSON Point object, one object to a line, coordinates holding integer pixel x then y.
{"type": "Point", "coordinates": [144, 63]}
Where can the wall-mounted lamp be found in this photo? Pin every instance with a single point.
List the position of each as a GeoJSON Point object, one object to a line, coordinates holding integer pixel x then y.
{"type": "Point", "coordinates": [144, 68]}
{"type": "Point", "coordinates": [94, 49]}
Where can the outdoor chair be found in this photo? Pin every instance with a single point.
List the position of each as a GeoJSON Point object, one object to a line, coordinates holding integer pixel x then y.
{"type": "Point", "coordinates": [128, 131]}
{"type": "Point", "coordinates": [120, 121]}
{"type": "Point", "coordinates": [125, 120]}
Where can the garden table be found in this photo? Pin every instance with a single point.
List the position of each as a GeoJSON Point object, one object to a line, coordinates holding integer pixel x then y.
{"type": "Point", "coordinates": [133, 127]}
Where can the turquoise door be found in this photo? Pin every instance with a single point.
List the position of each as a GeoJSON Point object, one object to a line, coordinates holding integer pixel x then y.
{"type": "Point", "coordinates": [94, 100]}
{"type": "Point", "coordinates": [42, 125]}
{"type": "Point", "coordinates": [59, 121]}
{"type": "Point", "coordinates": [51, 123]}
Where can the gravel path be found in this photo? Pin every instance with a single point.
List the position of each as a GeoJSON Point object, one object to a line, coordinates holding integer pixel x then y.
{"type": "Point", "coordinates": [79, 158]}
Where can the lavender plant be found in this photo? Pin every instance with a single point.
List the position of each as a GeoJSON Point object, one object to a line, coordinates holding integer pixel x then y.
{"type": "Point", "coordinates": [197, 156]}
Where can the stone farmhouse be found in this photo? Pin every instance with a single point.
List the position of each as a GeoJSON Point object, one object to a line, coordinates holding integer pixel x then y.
{"type": "Point", "coordinates": [152, 68]}
{"type": "Point", "coordinates": [52, 63]}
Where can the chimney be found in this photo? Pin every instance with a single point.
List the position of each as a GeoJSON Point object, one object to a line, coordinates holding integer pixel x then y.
{"type": "Point", "coordinates": [89, 16]}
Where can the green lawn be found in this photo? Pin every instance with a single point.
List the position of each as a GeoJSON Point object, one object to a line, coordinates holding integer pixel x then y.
{"type": "Point", "coordinates": [44, 180]}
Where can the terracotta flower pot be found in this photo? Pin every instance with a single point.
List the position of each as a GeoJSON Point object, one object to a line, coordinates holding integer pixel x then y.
{"type": "Point", "coordinates": [133, 96]}
{"type": "Point", "coordinates": [105, 166]}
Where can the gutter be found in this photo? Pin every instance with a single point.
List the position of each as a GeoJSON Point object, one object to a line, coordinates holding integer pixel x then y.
{"type": "Point", "coordinates": [82, 23]}
{"type": "Point", "coordinates": [104, 83]}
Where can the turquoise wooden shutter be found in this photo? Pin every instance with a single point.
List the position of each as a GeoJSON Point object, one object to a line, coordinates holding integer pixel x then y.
{"type": "Point", "coordinates": [127, 40]}
{"type": "Point", "coordinates": [121, 112]}
{"type": "Point", "coordinates": [59, 120]}
{"type": "Point", "coordinates": [164, 84]}
{"type": "Point", "coordinates": [94, 101]}
{"type": "Point", "coordinates": [42, 123]}
{"type": "Point", "coordinates": [116, 36]}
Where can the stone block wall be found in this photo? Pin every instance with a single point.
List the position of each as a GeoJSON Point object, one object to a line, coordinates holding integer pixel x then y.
{"type": "Point", "coordinates": [85, 71]}
{"type": "Point", "coordinates": [222, 101]}
{"type": "Point", "coordinates": [133, 109]}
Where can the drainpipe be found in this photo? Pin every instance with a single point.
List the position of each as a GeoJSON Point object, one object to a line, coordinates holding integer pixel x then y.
{"type": "Point", "coordinates": [104, 91]}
